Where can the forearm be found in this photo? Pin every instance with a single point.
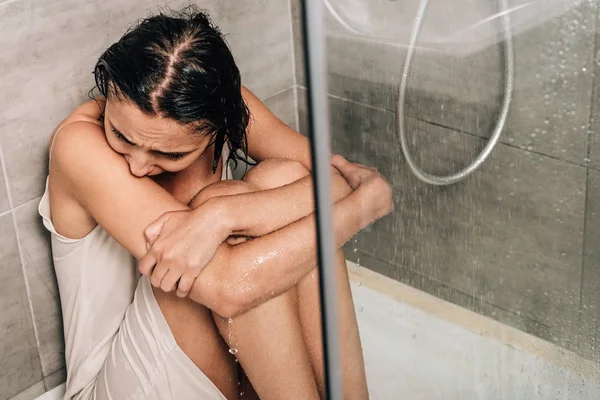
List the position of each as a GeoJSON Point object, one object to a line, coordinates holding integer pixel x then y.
{"type": "Point", "coordinates": [246, 275]}
{"type": "Point", "coordinates": [276, 208]}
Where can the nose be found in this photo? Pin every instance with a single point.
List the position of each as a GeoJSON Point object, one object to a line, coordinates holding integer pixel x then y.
{"type": "Point", "coordinates": [139, 164]}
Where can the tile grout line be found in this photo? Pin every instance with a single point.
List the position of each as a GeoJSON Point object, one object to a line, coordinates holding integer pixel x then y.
{"type": "Point", "coordinates": [591, 123]}
{"type": "Point", "coordinates": [294, 77]}
{"type": "Point", "coordinates": [296, 108]}
{"type": "Point", "coordinates": [277, 93]}
{"type": "Point", "coordinates": [369, 106]}
{"type": "Point", "coordinates": [512, 146]}
{"type": "Point", "coordinates": [292, 48]}
{"type": "Point", "coordinates": [21, 258]}
{"type": "Point", "coordinates": [37, 198]}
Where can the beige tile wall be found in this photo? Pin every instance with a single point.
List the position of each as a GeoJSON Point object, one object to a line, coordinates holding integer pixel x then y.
{"type": "Point", "coordinates": [47, 52]}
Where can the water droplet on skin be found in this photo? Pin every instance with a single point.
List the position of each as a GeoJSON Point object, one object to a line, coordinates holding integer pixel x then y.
{"type": "Point", "coordinates": [232, 350]}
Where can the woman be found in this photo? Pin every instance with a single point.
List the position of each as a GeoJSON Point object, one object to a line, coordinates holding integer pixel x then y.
{"type": "Point", "coordinates": [136, 175]}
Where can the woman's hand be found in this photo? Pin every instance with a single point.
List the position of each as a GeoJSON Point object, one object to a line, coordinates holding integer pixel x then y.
{"type": "Point", "coordinates": [374, 189]}
{"type": "Point", "coordinates": [181, 243]}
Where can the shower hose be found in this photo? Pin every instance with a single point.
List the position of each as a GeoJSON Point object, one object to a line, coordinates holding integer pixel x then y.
{"type": "Point", "coordinates": [426, 177]}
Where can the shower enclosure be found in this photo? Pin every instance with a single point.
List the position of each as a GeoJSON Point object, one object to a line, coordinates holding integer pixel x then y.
{"type": "Point", "coordinates": [516, 240]}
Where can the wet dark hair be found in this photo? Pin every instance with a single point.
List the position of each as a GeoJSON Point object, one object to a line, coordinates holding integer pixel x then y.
{"type": "Point", "coordinates": [177, 65]}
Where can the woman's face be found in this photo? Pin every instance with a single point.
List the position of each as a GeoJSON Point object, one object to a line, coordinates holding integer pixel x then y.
{"type": "Point", "coordinates": [151, 145]}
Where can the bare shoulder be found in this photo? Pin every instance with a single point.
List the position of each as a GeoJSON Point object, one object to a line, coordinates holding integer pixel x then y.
{"type": "Point", "coordinates": [81, 148]}
{"type": "Point", "coordinates": [80, 157]}
{"type": "Point", "coordinates": [90, 111]}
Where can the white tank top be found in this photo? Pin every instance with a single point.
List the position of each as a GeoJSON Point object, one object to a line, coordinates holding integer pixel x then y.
{"type": "Point", "coordinates": [96, 279]}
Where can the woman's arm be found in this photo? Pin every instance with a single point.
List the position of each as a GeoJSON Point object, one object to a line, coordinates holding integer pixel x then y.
{"type": "Point", "coordinates": [241, 277]}
{"type": "Point", "coordinates": [274, 204]}
{"type": "Point", "coordinates": [268, 137]}
{"type": "Point", "coordinates": [97, 178]}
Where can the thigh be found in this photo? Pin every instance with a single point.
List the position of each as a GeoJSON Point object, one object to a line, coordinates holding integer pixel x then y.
{"type": "Point", "coordinates": [197, 336]}
{"type": "Point", "coordinates": [153, 359]}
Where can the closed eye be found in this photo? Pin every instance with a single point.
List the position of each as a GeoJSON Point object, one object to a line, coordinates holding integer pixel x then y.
{"type": "Point", "coordinates": [173, 156]}
{"type": "Point", "coordinates": [121, 137]}
{"type": "Point", "coordinates": [169, 156]}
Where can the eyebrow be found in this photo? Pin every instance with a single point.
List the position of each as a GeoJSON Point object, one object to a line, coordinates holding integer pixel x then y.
{"type": "Point", "coordinates": [166, 153]}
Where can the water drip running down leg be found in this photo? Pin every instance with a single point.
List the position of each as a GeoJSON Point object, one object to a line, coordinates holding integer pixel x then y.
{"type": "Point", "coordinates": [232, 350]}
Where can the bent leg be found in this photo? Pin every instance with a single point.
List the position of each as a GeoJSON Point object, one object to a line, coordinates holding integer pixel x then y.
{"type": "Point", "coordinates": [274, 174]}
{"type": "Point", "coordinates": [354, 378]}
{"type": "Point", "coordinates": [195, 332]}
{"type": "Point", "coordinates": [261, 354]}
{"type": "Point", "coordinates": [268, 339]}
{"type": "Point", "coordinates": [276, 339]}
{"type": "Point", "coordinates": [269, 344]}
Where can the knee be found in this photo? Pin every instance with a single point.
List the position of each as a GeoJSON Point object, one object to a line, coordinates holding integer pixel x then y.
{"type": "Point", "coordinates": [273, 173]}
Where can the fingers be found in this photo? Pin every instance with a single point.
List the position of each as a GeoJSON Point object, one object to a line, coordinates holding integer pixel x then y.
{"type": "Point", "coordinates": [147, 264]}
{"type": "Point", "coordinates": [344, 166]}
{"type": "Point", "coordinates": [185, 284]}
{"type": "Point", "coordinates": [158, 274]}
{"type": "Point", "coordinates": [340, 163]}
{"type": "Point", "coordinates": [169, 282]}
{"type": "Point", "coordinates": [170, 279]}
